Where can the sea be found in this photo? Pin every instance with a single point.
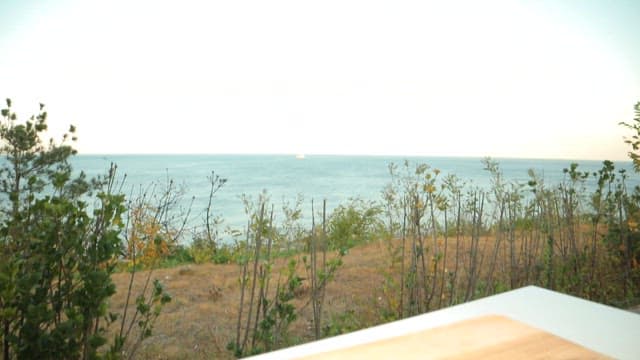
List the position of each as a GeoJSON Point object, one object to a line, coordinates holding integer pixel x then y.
{"type": "Point", "coordinates": [285, 178]}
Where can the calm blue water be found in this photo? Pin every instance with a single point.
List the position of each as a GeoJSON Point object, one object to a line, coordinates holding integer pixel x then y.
{"type": "Point", "coordinates": [335, 178]}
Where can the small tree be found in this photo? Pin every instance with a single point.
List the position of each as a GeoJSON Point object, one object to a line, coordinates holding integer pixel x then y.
{"type": "Point", "coordinates": [630, 217]}
{"type": "Point", "coordinates": [634, 141]}
{"type": "Point", "coordinates": [60, 237]}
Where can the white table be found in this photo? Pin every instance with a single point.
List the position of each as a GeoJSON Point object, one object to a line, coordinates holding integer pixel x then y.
{"type": "Point", "coordinates": [603, 329]}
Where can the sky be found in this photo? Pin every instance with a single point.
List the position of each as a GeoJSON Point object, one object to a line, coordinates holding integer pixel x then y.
{"type": "Point", "coordinates": [528, 79]}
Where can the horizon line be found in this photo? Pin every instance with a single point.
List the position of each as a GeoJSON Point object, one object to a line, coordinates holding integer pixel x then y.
{"type": "Point", "coordinates": [307, 155]}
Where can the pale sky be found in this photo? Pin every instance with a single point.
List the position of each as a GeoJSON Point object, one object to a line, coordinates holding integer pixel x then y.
{"type": "Point", "coordinates": [537, 79]}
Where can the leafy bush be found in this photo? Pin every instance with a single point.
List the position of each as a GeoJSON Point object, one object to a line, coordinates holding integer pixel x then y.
{"type": "Point", "coordinates": [353, 224]}
{"type": "Point", "coordinates": [224, 254]}
{"type": "Point", "coordinates": [56, 254]}
{"type": "Point", "coordinates": [179, 255]}
{"type": "Point", "coordinates": [342, 323]}
{"type": "Point", "coordinates": [201, 250]}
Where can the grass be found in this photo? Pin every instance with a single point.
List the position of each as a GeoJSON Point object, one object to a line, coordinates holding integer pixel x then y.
{"type": "Point", "coordinates": [201, 319]}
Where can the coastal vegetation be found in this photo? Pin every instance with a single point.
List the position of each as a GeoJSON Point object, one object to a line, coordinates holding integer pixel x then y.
{"type": "Point", "coordinates": [84, 268]}
{"type": "Point", "coordinates": [61, 239]}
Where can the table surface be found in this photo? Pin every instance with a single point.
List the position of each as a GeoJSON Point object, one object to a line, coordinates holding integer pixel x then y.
{"type": "Point", "coordinates": [589, 326]}
{"type": "Point", "coordinates": [484, 337]}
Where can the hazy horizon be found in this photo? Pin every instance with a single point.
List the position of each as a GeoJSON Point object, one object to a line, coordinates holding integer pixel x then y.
{"type": "Point", "coordinates": [312, 155]}
{"type": "Point", "coordinates": [505, 79]}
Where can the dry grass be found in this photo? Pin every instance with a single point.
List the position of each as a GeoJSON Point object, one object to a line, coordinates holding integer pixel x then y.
{"type": "Point", "coordinates": [201, 319]}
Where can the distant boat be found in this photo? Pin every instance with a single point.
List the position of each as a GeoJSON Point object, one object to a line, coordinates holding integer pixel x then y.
{"type": "Point", "coordinates": [300, 156]}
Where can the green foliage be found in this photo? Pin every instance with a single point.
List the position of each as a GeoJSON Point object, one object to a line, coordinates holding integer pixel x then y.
{"type": "Point", "coordinates": [273, 329]}
{"type": "Point", "coordinates": [57, 255]}
{"type": "Point", "coordinates": [342, 323]}
{"type": "Point", "coordinates": [225, 254]}
{"type": "Point", "coordinates": [150, 238]}
{"type": "Point", "coordinates": [264, 315]}
{"type": "Point", "coordinates": [290, 231]}
{"type": "Point", "coordinates": [414, 199]}
{"type": "Point", "coordinates": [254, 258]}
{"type": "Point", "coordinates": [179, 255]}
{"type": "Point", "coordinates": [355, 223]}
{"type": "Point", "coordinates": [634, 140]}
{"type": "Point", "coordinates": [149, 310]}
{"type": "Point", "coordinates": [204, 246]}
{"type": "Point", "coordinates": [202, 250]}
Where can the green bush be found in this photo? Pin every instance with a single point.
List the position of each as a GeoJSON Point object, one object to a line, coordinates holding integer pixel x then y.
{"type": "Point", "coordinates": [56, 255]}
{"type": "Point", "coordinates": [343, 323]}
{"type": "Point", "coordinates": [224, 254]}
{"type": "Point", "coordinates": [201, 250]}
{"type": "Point", "coordinates": [179, 255]}
{"type": "Point", "coordinates": [353, 224]}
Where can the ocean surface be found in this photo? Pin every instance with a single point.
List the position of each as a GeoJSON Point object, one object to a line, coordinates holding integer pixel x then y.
{"type": "Point", "coordinates": [284, 177]}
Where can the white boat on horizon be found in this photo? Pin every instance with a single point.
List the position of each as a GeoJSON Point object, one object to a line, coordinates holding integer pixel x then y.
{"type": "Point", "coordinates": [300, 156]}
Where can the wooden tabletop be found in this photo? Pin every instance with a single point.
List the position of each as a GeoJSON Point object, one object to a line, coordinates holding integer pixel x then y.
{"type": "Point", "coordinates": [485, 337]}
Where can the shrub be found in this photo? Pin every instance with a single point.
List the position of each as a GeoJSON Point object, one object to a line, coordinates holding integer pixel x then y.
{"type": "Point", "coordinates": [202, 250]}
{"type": "Point", "coordinates": [353, 224]}
{"type": "Point", "coordinates": [57, 255]}
{"type": "Point", "coordinates": [57, 252]}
